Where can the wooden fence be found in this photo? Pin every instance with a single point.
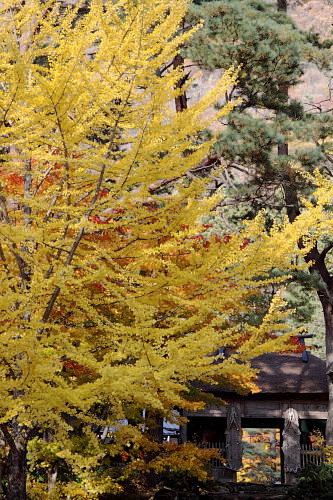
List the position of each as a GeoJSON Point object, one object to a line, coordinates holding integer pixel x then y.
{"type": "Point", "coordinates": [311, 455]}
{"type": "Point", "coordinates": [220, 446]}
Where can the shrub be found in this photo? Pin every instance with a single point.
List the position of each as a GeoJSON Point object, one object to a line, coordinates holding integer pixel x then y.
{"type": "Point", "coordinates": [314, 481]}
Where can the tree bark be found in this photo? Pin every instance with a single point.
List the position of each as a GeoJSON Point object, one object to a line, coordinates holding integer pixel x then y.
{"type": "Point", "coordinates": [3, 467]}
{"type": "Point", "coordinates": [52, 471]}
{"type": "Point", "coordinates": [154, 423]}
{"type": "Point", "coordinates": [16, 439]}
{"type": "Point", "coordinates": [17, 473]}
{"type": "Point", "coordinates": [52, 474]}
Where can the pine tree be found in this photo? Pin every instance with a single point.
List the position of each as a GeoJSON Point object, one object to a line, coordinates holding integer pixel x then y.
{"type": "Point", "coordinates": [270, 51]}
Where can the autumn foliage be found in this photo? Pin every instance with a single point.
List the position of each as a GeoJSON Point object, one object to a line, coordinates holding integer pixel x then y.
{"type": "Point", "coordinates": [113, 297]}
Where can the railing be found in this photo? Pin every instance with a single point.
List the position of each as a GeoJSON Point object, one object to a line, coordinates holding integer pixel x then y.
{"type": "Point", "coordinates": [220, 446]}
{"type": "Point", "coordinates": [311, 455]}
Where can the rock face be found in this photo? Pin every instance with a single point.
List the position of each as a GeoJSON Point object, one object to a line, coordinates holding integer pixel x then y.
{"type": "Point", "coordinates": [204, 81]}
{"type": "Point", "coordinates": [313, 14]}
{"type": "Point", "coordinates": [315, 91]}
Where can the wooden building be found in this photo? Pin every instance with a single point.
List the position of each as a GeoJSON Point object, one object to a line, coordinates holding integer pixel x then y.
{"type": "Point", "coordinates": [293, 397]}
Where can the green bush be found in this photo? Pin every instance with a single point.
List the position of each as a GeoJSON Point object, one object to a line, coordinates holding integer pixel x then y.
{"type": "Point", "coordinates": [314, 481]}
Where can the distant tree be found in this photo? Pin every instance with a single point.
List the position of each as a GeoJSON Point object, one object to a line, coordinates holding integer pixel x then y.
{"type": "Point", "coordinates": [260, 460]}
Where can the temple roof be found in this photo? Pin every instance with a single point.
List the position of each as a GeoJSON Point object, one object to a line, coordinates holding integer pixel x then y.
{"type": "Point", "coordinates": [287, 373]}
{"type": "Point", "coordinates": [282, 374]}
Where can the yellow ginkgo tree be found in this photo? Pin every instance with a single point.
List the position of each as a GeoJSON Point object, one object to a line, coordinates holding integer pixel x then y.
{"type": "Point", "coordinates": [111, 295]}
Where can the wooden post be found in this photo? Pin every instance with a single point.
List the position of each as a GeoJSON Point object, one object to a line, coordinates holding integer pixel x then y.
{"type": "Point", "coordinates": [283, 476]}
{"type": "Point", "coordinates": [183, 433]}
{"type": "Point", "coordinates": [234, 440]}
{"type": "Point", "coordinates": [291, 445]}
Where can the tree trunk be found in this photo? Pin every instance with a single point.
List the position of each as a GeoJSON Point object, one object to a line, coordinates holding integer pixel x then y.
{"type": "Point", "coordinates": [17, 472]}
{"type": "Point", "coordinates": [52, 474]}
{"type": "Point", "coordinates": [325, 295]}
{"type": "Point", "coordinates": [16, 439]}
{"type": "Point", "coordinates": [154, 432]}
{"type": "Point", "coordinates": [327, 307]}
{"type": "Point", "coordinates": [181, 100]}
{"type": "Point", "coordinates": [282, 5]}
{"type": "Point", "coordinates": [154, 423]}
{"type": "Point", "coordinates": [52, 471]}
